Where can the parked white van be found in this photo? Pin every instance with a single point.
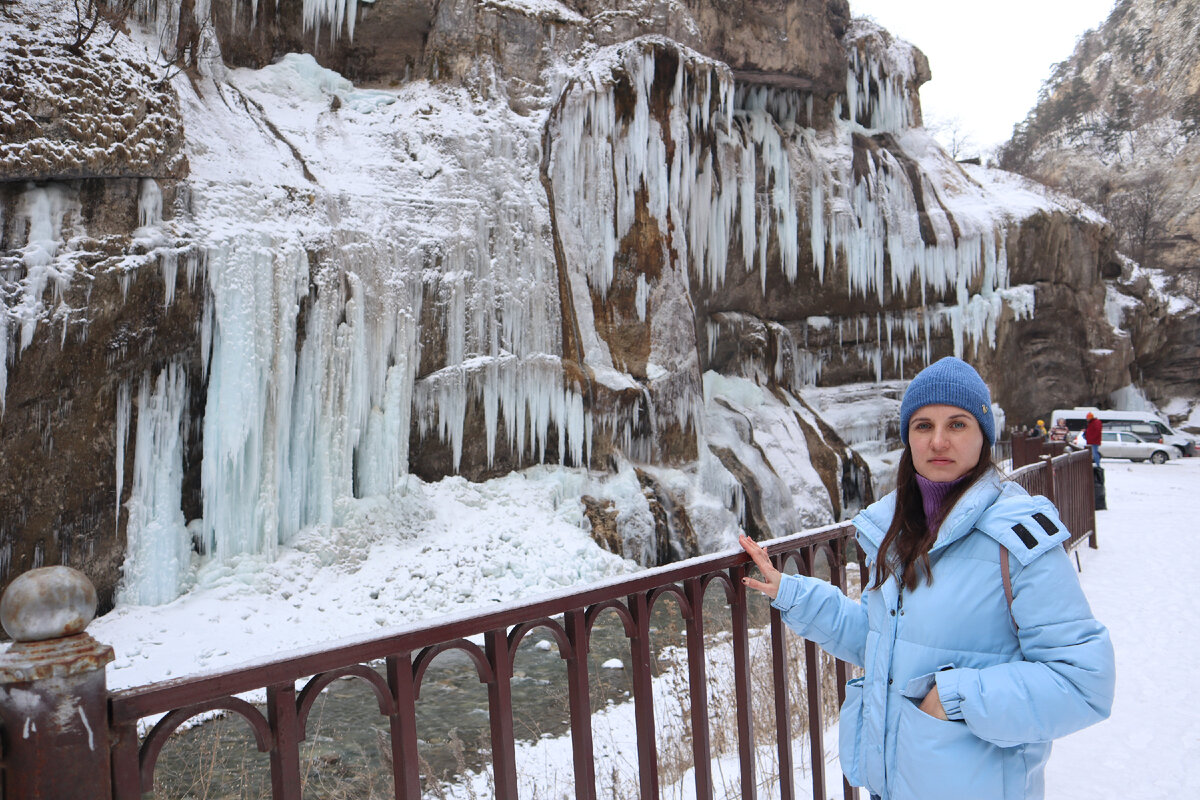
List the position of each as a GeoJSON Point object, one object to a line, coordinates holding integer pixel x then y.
{"type": "Point", "coordinates": [1142, 423]}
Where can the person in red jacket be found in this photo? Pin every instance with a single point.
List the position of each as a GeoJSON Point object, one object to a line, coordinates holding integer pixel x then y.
{"type": "Point", "coordinates": [1091, 435]}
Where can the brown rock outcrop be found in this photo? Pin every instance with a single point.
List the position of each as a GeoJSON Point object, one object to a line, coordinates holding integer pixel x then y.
{"type": "Point", "coordinates": [766, 41]}
{"type": "Point", "coordinates": [1118, 126]}
{"type": "Point", "coordinates": [99, 113]}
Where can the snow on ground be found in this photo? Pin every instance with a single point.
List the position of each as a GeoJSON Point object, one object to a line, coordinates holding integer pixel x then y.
{"type": "Point", "coordinates": [431, 550]}
{"type": "Point", "coordinates": [457, 552]}
{"type": "Point", "coordinates": [1141, 584]}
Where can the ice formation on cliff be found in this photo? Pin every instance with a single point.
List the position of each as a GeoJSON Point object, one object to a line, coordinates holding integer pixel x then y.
{"type": "Point", "coordinates": [352, 301]}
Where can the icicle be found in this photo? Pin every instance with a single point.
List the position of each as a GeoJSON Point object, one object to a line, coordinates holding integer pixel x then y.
{"type": "Point", "coordinates": [124, 402]}
{"type": "Point", "coordinates": [641, 296]}
{"type": "Point", "coordinates": [256, 286]}
{"type": "Point", "coordinates": [3, 357]}
{"type": "Point", "coordinates": [159, 544]}
{"type": "Point", "coordinates": [149, 204]}
{"type": "Point", "coordinates": [334, 13]}
{"type": "Point", "coordinates": [46, 209]}
{"type": "Point", "coordinates": [169, 264]}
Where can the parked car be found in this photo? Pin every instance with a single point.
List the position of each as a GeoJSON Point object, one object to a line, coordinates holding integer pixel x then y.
{"type": "Point", "coordinates": [1136, 421]}
{"type": "Point", "coordinates": [1126, 444]}
{"type": "Point", "coordinates": [1156, 432]}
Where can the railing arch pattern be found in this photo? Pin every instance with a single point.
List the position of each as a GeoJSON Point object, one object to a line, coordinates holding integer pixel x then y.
{"type": "Point", "coordinates": [157, 738]}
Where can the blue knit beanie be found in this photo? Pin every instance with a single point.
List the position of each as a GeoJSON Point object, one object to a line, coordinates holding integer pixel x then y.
{"type": "Point", "coordinates": [951, 382]}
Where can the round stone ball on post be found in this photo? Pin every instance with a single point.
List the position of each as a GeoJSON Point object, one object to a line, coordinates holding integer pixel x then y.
{"type": "Point", "coordinates": [53, 691]}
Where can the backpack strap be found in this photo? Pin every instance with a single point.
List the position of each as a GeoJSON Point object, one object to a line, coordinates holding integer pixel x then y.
{"type": "Point", "coordinates": [1006, 577]}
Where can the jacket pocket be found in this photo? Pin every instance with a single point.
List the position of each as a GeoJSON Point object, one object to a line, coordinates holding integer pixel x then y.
{"type": "Point", "coordinates": [850, 733]}
{"type": "Point", "coordinates": [942, 760]}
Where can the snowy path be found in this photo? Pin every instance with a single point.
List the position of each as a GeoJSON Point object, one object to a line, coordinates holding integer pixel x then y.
{"type": "Point", "coordinates": [1141, 584]}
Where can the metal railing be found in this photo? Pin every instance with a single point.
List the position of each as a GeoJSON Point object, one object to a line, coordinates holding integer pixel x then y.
{"type": "Point", "coordinates": [568, 619]}
{"type": "Point", "coordinates": [1068, 481]}
{"type": "Point", "coordinates": [1028, 448]}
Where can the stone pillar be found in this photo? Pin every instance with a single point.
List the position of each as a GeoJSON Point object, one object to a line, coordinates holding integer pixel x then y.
{"type": "Point", "coordinates": [53, 690]}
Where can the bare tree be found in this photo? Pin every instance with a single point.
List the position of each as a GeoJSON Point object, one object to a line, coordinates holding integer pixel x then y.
{"type": "Point", "coordinates": [952, 135]}
{"type": "Point", "coordinates": [1140, 210]}
{"type": "Point", "coordinates": [89, 14]}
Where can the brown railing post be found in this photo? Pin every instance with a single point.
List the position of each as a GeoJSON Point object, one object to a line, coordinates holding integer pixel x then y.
{"type": "Point", "coordinates": [741, 681]}
{"type": "Point", "coordinates": [698, 689]}
{"type": "Point", "coordinates": [579, 698]}
{"type": "Point", "coordinates": [816, 722]}
{"type": "Point", "coordinates": [1048, 461]}
{"type": "Point", "coordinates": [285, 749]}
{"type": "Point", "coordinates": [405, 762]}
{"type": "Point", "coordinates": [126, 767]}
{"type": "Point", "coordinates": [643, 696]}
{"type": "Point", "coordinates": [54, 698]}
{"type": "Point", "coordinates": [841, 670]}
{"type": "Point", "coordinates": [504, 750]}
{"type": "Point", "coordinates": [783, 719]}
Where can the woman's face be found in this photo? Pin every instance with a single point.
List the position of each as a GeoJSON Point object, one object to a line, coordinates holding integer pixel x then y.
{"type": "Point", "coordinates": [946, 442]}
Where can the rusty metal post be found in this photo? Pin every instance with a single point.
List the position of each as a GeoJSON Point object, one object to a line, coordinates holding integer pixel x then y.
{"type": "Point", "coordinates": [741, 681]}
{"type": "Point", "coordinates": [1048, 461]}
{"type": "Point", "coordinates": [53, 690]}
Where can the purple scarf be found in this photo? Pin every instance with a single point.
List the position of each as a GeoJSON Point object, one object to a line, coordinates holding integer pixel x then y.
{"type": "Point", "coordinates": [933, 496]}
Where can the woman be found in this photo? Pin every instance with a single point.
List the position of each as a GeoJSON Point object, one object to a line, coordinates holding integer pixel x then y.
{"type": "Point", "coordinates": [963, 690]}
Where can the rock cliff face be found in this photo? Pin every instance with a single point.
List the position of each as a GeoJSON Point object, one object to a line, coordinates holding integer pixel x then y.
{"type": "Point", "coordinates": [468, 237]}
{"type": "Point", "coordinates": [1118, 125]}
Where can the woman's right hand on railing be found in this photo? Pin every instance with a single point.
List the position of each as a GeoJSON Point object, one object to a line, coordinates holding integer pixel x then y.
{"type": "Point", "coordinates": [770, 585]}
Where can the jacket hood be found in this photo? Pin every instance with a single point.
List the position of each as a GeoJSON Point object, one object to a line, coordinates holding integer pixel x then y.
{"type": "Point", "coordinates": [873, 521]}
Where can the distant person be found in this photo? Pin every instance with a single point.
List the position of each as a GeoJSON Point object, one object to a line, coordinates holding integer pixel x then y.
{"type": "Point", "coordinates": [1059, 432]}
{"type": "Point", "coordinates": [1041, 428]}
{"type": "Point", "coordinates": [1092, 435]}
{"type": "Point", "coordinates": [977, 643]}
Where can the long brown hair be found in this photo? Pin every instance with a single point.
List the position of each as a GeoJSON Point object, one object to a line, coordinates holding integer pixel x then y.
{"type": "Point", "coordinates": [909, 535]}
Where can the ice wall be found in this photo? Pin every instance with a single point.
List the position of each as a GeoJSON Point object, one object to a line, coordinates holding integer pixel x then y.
{"type": "Point", "coordinates": [323, 301]}
{"type": "Point", "coordinates": [718, 163]}
{"type": "Point", "coordinates": [159, 545]}
{"type": "Point", "coordinates": [46, 218]}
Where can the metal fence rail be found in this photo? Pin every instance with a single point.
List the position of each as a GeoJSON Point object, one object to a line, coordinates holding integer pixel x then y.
{"type": "Point", "coordinates": [568, 619]}
{"type": "Point", "coordinates": [1067, 480]}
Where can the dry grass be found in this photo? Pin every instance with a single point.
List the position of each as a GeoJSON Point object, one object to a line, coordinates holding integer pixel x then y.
{"type": "Point", "coordinates": [674, 718]}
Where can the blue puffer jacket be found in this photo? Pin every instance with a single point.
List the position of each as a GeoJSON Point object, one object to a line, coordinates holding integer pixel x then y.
{"type": "Point", "coordinates": [1007, 692]}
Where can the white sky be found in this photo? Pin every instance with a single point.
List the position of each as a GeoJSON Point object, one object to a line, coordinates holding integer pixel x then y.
{"type": "Point", "coordinates": [988, 60]}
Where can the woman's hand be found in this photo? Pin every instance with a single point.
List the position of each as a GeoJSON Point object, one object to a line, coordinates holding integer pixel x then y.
{"type": "Point", "coordinates": [932, 704]}
{"type": "Point", "coordinates": [771, 575]}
